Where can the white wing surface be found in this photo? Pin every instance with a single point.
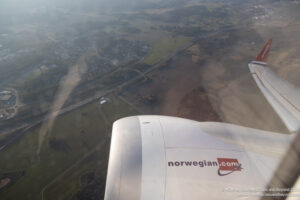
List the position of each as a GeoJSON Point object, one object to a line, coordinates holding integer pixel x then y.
{"type": "Point", "coordinates": [283, 96]}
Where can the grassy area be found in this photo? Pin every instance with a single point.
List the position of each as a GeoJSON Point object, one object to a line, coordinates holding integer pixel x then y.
{"type": "Point", "coordinates": [70, 184]}
{"type": "Point", "coordinates": [117, 109]}
{"type": "Point", "coordinates": [165, 47]}
{"type": "Point", "coordinates": [73, 135]}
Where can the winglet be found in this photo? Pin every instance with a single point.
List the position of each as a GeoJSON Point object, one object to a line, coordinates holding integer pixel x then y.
{"type": "Point", "coordinates": [263, 55]}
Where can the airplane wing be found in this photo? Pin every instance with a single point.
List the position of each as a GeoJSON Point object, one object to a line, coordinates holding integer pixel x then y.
{"type": "Point", "coordinates": [283, 96]}
{"type": "Point", "coordinates": [168, 158]}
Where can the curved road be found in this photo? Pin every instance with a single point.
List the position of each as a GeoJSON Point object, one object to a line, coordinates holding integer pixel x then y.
{"type": "Point", "coordinates": [115, 88]}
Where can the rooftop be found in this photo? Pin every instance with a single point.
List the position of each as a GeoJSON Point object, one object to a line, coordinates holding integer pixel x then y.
{"type": "Point", "coordinates": [5, 97]}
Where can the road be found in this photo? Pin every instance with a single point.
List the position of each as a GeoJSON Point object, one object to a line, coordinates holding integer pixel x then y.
{"type": "Point", "coordinates": [92, 99]}
{"type": "Point", "coordinates": [111, 90]}
{"type": "Point", "coordinates": [89, 100]}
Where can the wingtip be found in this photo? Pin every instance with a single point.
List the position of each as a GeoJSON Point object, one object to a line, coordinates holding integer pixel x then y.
{"type": "Point", "coordinates": [263, 55]}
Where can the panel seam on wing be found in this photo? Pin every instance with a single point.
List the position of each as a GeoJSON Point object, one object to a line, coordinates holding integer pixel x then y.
{"type": "Point", "coordinates": [162, 134]}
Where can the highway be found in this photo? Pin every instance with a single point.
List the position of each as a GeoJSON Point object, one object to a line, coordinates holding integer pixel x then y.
{"type": "Point", "coordinates": [107, 92]}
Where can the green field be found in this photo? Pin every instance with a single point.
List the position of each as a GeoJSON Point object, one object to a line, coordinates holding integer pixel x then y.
{"type": "Point", "coordinates": [70, 184]}
{"type": "Point", "coordinates": [164, 47]}
{"type": "Point", "coordinates": [72, 139]}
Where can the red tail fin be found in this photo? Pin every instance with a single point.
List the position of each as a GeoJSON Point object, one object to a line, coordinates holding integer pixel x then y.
{"type": "Point", "coordinates": [263, 55]}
